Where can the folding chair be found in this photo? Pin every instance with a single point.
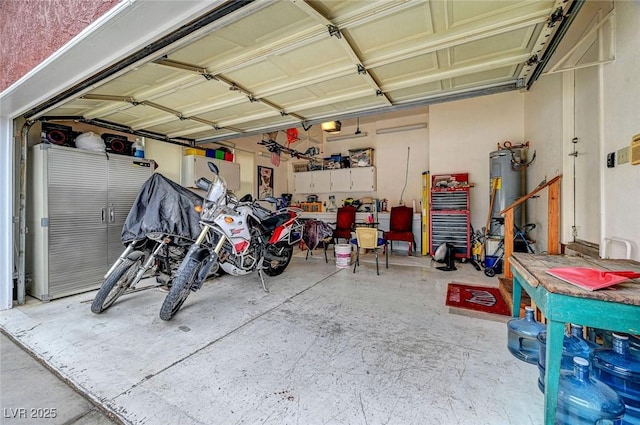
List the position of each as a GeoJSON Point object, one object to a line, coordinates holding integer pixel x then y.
{"type": "Point", "coordinates": [367, 238]}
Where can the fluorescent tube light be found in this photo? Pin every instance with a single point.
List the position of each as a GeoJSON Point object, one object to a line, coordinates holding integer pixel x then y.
{"type": "Point", "coordinates": [402, 128]}
{"type": "Point", "coordinates": [346, 137]}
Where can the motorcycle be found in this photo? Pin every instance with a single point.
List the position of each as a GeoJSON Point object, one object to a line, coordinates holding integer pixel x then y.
{"type": "Point", "coordinates": [158, 231]}
{"type": "Point", "coordinates": [237, 235]}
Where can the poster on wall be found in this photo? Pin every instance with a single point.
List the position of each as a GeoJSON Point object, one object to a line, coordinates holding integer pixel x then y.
{"type": "Point", "coordinates": [265, 182]}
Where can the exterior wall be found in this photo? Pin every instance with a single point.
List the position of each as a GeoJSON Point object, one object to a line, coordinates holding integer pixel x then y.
{"type": "Point", "coordinates": [54, 21]}
{"type": "Point", "coordinates": [463, 133]}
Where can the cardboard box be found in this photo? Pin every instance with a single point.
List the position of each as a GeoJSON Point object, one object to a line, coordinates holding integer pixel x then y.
{"type": "Point", "coordinates": [361, 157]}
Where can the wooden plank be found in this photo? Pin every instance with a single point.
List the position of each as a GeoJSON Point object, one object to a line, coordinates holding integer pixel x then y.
{"type": "Point", "coordinates": [508, 242]}
{"type": "Point", "coordinates": [553, 228]}
{"type": "Point", "coordinates": [519, 201]}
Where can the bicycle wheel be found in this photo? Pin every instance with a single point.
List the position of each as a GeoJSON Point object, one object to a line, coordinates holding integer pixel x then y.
{"type": "Point", "coordinates": [180, 289]}
{"type": "Point", "coordinates": [115, 284]}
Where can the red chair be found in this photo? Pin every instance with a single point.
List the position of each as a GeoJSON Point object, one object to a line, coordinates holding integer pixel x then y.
{"type": "Point", "coordinates": [400, 227]}
{"type": "Point", "coordinates": [345, 223]}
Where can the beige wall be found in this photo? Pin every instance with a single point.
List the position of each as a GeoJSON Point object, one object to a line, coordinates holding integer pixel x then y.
{"type": "Point", "coordinates": [621, 104]}
{"type": "Point", "coordinates": [390, 157]}
{"type": "Point", "coordinates": [543, 124]}
{"type": "Point", "coordinates": [463, 133]}
{"type": "Point", "coordinates": [166, 155]}
{"type": "Point", "coordinates": [549, 116]}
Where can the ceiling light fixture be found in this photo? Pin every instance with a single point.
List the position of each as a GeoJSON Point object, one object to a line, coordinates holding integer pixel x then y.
{"type": "Point", "coordinates": [331, 126]}
{"type": "Point", "coordinates": [401, 128]}
{"type": "Point", "coordinates": [346, 137]}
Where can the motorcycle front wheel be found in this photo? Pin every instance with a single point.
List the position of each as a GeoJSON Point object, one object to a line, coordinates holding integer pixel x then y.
{"type": "Point", "coordinates": [275, 268]}
{"type": "Point", "coordinates": [180, 289]}
{"type": "Point", "coordinates": [116, 284]}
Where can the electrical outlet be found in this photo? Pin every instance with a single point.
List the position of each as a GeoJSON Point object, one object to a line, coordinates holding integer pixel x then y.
{"type": "Point", "coordinates": [622, 155]}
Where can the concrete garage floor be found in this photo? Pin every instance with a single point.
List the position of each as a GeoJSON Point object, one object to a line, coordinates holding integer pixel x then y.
{"type": "Point", "coordinates": [325, 346]}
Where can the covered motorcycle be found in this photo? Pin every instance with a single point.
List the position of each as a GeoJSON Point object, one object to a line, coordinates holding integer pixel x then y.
{"type": "Point", "coordinates": [160, 227]}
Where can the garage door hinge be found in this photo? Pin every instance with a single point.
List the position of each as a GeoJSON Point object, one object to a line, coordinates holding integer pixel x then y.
{"type": "Point", "coordinates": [334, 31]}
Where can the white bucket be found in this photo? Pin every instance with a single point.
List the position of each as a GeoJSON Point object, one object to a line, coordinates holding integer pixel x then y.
{"type": "Point", "coordinates": [343, 256]}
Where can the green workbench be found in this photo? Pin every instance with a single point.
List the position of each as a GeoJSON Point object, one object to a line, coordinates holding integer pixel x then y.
{"type": "Point", "coordinates": [616, 308]}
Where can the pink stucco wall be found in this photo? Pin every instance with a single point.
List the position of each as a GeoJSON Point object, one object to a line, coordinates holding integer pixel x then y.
{"type": "Point", "coordinates": [31, 30]}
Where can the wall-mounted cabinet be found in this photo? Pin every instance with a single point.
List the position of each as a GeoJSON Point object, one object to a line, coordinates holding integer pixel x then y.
{"type": "Point", "coordinates": [359, 179]}
{"type": "Point", "coordinates": [312, 182]}
{"type": "Point", "coordinates": [195, 166]}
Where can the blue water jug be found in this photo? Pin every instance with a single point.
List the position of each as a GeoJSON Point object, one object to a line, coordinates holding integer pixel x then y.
{"type": "Point", "coordinates": [620, 369]}
{"type": "Point", "coordinates": [573, 345]}
{"type": "Point", "coordinates": [522, 334]}
{"type": "Point", "coordinates": [583, 400]}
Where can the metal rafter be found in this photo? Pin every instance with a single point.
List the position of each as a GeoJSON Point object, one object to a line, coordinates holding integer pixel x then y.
{"type": "Point", "coordinates": [504, 22]}
{"type": "Point", "coordinates": [334, 31]}
{"type": "Point", "coordinates": [178, 114]}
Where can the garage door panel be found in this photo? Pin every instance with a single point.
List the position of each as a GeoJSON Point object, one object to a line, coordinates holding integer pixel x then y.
{"type": "Point", "coordinates": [422, 90]}
{"type": "Point", "coordinates": [315, 60]}
{"type": "Point", "coordinates": [513, 42]}
{"type": "Point", "coordinates": [491, 76]}
{"type": "Point", "coordinates": [393, 31]}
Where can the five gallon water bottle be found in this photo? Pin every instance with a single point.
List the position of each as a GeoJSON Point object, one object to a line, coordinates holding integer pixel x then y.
{"type": "Point", "coordinates": [583, 400]}
{"type": "Point", "coordinates": [573, 345]}
{"type": "Point", "coordinates": [522, 334]}
{"type": "Point", "coordinates": [620, 369]}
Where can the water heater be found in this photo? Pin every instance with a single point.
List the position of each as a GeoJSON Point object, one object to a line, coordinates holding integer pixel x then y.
{"type": "Point", "coordinates": [508, 176]}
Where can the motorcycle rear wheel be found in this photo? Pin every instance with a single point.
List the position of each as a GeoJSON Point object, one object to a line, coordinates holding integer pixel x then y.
{"type": "Point", "coordinates": [116, 284]}
{"type": "Point", "coordinates": [271, 270]}
{"type": "Point", "coordinates": [180, 289]}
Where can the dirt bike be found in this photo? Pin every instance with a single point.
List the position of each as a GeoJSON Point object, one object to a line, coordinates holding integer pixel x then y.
{"type": "Point", "coordinates": [238, 236]}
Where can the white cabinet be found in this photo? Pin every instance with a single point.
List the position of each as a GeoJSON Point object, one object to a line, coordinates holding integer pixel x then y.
{"type": "Point", "coordinates": [78, 201]}
{"type": "Point", "coordinates": [340, 180]}
{"type": "Point", "coordinates": [358, 179]}
{"type": "Point", "coordinates": [312, 182]}
{"type": "Point", "coordinates": [363, 179]}
{"type": "Point", "coordinates": [195, 166]}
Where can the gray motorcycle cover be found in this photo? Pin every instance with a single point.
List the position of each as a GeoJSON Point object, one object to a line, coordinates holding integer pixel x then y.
{"type": "Point", "coordinates": [162, 206]}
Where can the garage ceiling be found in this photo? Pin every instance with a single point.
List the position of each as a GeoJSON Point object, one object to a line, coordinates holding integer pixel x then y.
{"type": "Point", "coordinates": [254, 67]}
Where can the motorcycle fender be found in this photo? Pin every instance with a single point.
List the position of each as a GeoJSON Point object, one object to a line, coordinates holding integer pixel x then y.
{"type": "Point", "coordinates": [205, 268]}
{"type": "Point", "coordinates": [201, 254]}
{"type": "Point", "coordinates": [197, 253]}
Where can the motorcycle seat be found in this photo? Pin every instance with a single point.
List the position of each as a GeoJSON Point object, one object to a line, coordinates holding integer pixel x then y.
{"type": "Point", "coordinates": [275, 221]}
